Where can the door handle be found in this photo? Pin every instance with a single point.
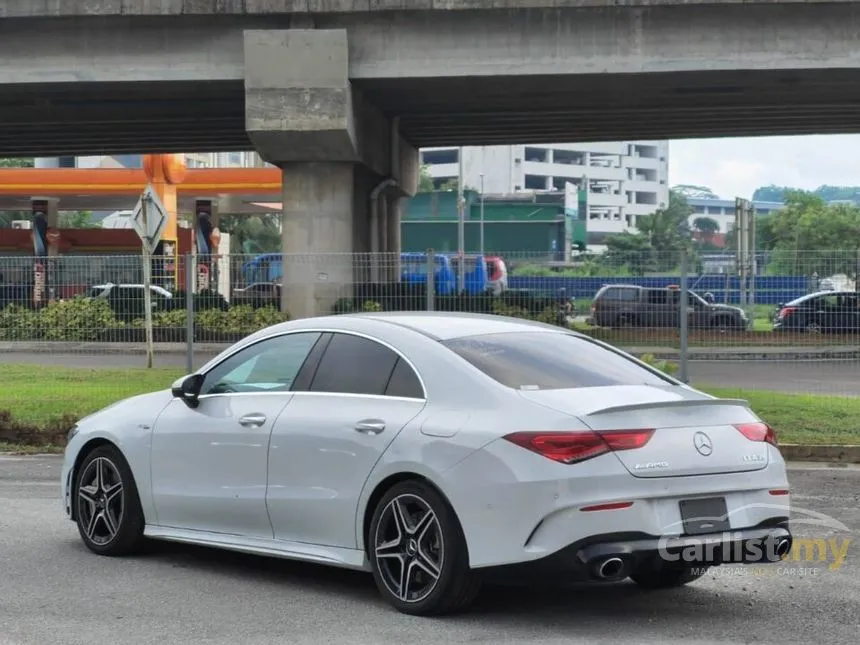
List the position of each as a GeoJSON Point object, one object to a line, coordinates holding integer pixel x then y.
{"type": "Point", "coordinates": [252, 420]}
{"type": "Point", "coordinates": [370, 426]}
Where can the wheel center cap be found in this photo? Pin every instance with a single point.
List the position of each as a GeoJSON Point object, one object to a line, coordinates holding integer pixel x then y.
{"type": "Point", "coordinates": [411, 547]}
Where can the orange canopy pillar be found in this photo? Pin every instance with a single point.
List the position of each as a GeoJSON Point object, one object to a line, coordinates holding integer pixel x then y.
{"type": "Point", "coordinates": [165, 173]}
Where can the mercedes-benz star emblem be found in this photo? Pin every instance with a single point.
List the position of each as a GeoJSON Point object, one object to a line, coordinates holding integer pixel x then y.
{"type": "Point", "coordinates": [703, 444]}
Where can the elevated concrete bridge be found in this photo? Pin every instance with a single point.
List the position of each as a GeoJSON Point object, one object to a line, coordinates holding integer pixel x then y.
{"type": "Point", "coordinates": [341, 93]}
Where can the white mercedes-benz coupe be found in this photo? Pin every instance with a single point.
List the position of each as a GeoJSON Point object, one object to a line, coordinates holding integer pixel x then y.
{"type": "Point", "coordinates": [436, 451]}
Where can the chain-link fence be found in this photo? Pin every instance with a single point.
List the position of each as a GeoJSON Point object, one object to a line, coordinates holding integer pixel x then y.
{"type": "Point", "coordinates": [792, 325]}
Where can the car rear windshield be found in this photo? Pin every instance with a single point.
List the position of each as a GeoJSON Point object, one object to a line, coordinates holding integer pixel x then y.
{"type": "Point", "coordinates": [551, 361]}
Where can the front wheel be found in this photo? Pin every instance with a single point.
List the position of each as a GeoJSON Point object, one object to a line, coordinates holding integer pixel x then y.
{"type": "Point", "coordinates": [107, 507]}
{"type": "Point", "coordinates": [418, 552]}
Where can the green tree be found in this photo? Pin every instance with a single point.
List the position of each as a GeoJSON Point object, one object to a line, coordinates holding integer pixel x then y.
{"type": "Point", "coordinates": [690, 191]}
{"type": "Point", "coordinates": [630, 250]}
{"type": "Point", "coordinates": [253, 234]}
{"type": "Point", "coordinates": [707, 226]}
{"type": "Point", "coordinates": [658, 241]}
{"type": "Point", "coordinates": [425, 180]}
{"type": "Point", "coordinates": [812, 236]}
{"type": "Point", "coordinates": [16, 162]}
{"type": "Point", "coordinates": [77, 219]}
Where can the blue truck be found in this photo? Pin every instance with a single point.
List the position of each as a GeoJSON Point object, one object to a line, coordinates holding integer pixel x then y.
{"type": "Point", "coordinates": [413, 270]}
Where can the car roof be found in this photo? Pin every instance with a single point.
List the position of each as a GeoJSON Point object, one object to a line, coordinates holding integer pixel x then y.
{"type": "Point", "coordinates": [817, 294]}
{"type": "Point", "coordinates": [437, 325]}
{"type": "Point", "coordinates": [449, 325]}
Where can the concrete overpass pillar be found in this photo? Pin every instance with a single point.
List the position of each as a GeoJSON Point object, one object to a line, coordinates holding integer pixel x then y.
{"type": "Point", "coordinates": [335, 148]}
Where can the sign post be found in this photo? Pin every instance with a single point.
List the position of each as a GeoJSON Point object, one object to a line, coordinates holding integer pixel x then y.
{"type": "Point", "coordinates": [149, 219]}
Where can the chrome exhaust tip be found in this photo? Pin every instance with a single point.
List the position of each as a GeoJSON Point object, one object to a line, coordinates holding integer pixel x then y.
{"type": "Point", "coordinates": [610, 568]}
{"type": "Point", "coordinates": [782, 547]}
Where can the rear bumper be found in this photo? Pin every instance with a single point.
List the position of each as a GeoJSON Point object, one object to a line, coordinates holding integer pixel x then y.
{"type": "Point", "coordinates": [582, 561]}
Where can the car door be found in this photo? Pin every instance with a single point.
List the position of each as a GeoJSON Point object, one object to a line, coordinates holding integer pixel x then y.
{"type": "Point", "coordinates": [209, 463]}
{"type": "Point", "coordinates": [662, 309]}
{"type": "Point", "coordinates": [825, 312]}
{"type": "Point", "coordinates": [329, 438]}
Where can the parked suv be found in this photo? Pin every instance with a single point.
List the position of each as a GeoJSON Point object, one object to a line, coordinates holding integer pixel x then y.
{"type": "Point", "coordinates": [622, 305]}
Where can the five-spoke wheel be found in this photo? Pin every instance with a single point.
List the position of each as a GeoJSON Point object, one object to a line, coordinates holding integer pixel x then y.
{"type": "Point", "coordinates": [418, 552]}
{"type": "Point", "coordinates": [107, 507]}
{"type": "Point", "coordinates": [409, 548]}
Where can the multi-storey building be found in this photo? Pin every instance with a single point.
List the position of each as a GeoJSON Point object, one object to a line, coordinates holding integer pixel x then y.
{"type": "Point", "coordinates": [625, 180]}
{"type": "Point", "coordinates": [193, 160]}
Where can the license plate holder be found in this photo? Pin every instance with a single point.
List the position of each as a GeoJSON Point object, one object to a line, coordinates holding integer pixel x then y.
{"type": "Point", "coordinates": [704, 515]}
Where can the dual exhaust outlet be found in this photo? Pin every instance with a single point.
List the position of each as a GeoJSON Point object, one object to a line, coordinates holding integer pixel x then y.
{"type": "Point", "coordinates": [615, 568]}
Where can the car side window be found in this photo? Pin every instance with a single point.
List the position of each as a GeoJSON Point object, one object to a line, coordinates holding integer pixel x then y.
{"type": "Point", "coordinates": [268, 366]}
{"type": "Point", "coordinates": [404, 382]}
{"type": "Point", "coordinates": [354, 365]}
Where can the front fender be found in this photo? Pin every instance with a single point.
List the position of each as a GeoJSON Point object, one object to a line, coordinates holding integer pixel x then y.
{"type": "Point", "coordinates": [128, 425]}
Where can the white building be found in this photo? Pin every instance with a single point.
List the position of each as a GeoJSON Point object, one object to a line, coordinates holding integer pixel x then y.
{"type": "Point", "coordinates": [625, 179]}
{"type": "Point", "coordinates": [192, 160]}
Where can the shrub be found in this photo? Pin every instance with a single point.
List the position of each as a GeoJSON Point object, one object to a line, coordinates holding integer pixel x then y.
{"type": "Point", "coordinates": [243, 319]}
{"type": "Point", "coordinates": [77, 319]}
{"type": "Point", "coordinates": [19, 323]}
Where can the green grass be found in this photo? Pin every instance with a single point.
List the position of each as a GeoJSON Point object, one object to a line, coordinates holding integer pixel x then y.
{"type": "Point", "coordinates": [802, 418]}
{"type": "Point", "coordinates": [34, 395]}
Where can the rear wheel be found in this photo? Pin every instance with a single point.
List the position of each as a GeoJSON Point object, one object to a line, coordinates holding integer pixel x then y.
{"type": "Point", "coordinates": [666, 576]}
{"type": "Point", "coordinates": [418, 552]}
{"type": "Point", "coordinates": [812, 327]}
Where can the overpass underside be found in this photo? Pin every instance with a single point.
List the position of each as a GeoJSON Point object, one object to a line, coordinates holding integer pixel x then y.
{"type": "Point", "coordinates": [209, 116]}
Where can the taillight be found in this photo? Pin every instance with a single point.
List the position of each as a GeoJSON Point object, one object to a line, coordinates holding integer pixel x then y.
{"type": "Point", "coordinates": [758, 432]}
{"type": "Point", "coordinates": [576, 446]}
{"type": "Point", "coordinates": [786, 311]}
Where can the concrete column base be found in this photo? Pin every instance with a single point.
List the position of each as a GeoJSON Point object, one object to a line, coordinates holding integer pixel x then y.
{"type": "Point", "coordinates": [318, 236]}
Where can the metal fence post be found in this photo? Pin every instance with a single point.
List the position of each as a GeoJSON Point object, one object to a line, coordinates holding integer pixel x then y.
{"type": "Point", "coordinates": [685, 305]}
{"type": "Point", "coordinates": [431, 280]}
{"type": "Point", "coordinates": [189, 313]}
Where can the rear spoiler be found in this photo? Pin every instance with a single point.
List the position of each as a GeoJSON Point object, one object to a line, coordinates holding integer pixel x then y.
{"type": "Point", "coordinates": [685, 403]}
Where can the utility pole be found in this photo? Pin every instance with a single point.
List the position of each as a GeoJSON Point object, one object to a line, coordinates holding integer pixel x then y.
{"type": "Point", "coordinates": [461, 227]}
{"type": "Point", "coordinates": [482, 216]}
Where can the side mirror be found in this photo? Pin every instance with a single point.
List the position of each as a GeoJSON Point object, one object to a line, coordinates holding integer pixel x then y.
{"type": "Point", "coordinates": [187, 388]}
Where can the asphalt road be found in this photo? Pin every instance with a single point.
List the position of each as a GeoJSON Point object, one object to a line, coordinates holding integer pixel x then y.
{"type": "Point", "coordinates": [813, 377]}
{"type": "Point", "coordinates": [54, 592]}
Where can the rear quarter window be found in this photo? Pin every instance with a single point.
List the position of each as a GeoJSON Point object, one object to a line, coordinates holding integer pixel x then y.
{"type": "Point", "coordinates": [552, 361]}
{"type": "Point", "coordinates": [620, 293]}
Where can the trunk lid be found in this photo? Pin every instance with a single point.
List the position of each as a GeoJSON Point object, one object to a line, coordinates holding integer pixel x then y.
{"type": "Point", "coordinates": [694, 433]}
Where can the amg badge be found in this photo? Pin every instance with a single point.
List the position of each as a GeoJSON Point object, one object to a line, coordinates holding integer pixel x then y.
{"type": "Point", "coordinates": [651, 465]}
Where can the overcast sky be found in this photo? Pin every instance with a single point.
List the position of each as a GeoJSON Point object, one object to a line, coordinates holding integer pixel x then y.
{"type": "Point", "coordinates": [736, 167]}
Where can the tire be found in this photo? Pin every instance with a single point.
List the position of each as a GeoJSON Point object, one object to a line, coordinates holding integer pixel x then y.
{"type": "Point", "coordinates": [624, 321]}
{"type": "Point", "coordinates": [724, 325]}
{"type": "Point", "coordinates": [667, 577]}
{"type": "Point", "coordinates": [107, 505]}
{"type": "Point", "coordinates": [812, 327]}
{"type": "Point", "coordinates": [415, 528]}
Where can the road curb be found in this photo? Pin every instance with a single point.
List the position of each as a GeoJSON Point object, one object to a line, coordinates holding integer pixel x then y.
{"type": "Point", "coordinates": [849, 454]}
{"type": "Point", "coordinates": [750, 354]}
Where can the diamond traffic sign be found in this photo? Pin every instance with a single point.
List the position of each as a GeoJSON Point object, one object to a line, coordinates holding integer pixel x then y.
{"type": "Point", "coordinates": [149, 223]}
